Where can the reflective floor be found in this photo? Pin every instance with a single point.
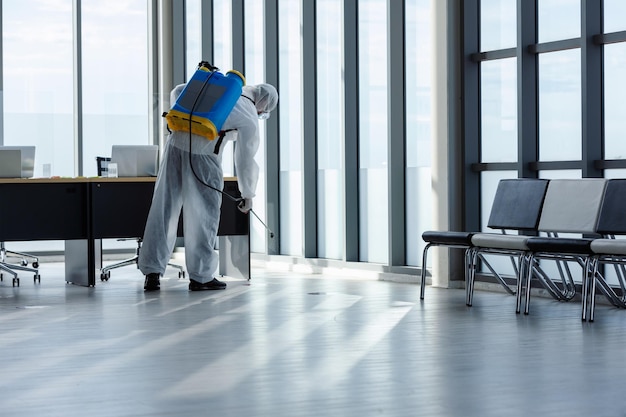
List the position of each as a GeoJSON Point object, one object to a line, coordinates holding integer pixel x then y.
{"type": "Point", "coordinates": [288, 344]}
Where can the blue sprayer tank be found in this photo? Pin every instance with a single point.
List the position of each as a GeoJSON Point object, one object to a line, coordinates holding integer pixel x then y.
{"type": "Point", "coordinates": [206, 101]}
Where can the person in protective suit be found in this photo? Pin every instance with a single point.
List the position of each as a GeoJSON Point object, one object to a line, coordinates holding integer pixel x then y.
{"type": "Point", "coordinates": [179, 184]}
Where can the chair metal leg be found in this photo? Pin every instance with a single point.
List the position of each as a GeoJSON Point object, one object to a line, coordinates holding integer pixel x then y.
{"type": "Point", "coordinates": [588, 271]}
{"type": "Point", "coordinates": [529, 275]}
{"type": "Point", "coordinates": [423, 281]}
{"type": "Point", "coordinates": [120, 264]}
{"type": "Point", "coordinates": [496, 275]}
{"type": "Point", "coordinates": [471, 257]}
{"type": "Point", "coordinates": [523, 268]}
{"type": "Point", "coordinates": [181, 270]}
{"type": "Point", "coordinates": [5, 267]}
{"type": "Point", "coordinates": [11, 269]}
{"type": "Point", "coordinates": [592, 291]}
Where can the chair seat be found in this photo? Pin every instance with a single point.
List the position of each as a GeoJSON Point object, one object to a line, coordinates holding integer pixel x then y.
{"type": "Point", "coordinates": [500, 241]}
{"type": "Point", "coordinates": [448, 237]}
{"type": "Point", "coordinates": [609, 246]}
{"type": "Point", "coordinates": [560, 245]}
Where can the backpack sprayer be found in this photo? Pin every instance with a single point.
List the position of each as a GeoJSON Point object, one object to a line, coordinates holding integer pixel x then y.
{"type": "Point", "coordinates": [203, 106]}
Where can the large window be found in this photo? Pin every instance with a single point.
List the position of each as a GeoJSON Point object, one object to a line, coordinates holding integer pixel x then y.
{"type": "Point", "coordinates": [497, 24]}
{"type": "Point", "coordinates": [418, 125]}
{"type": "Point", "coordinates": [193, 37]}
{"type": "Point", "coordinates": [558, 19]}
{"type": "Point", "coordinates": [223, 57]}
{"type": "Point", "coordinates": [41, 94]}
{"type": "Point", "coordinates": [115, 88]}
{"type": "Point", "coordinates": [614, 15]}
{"type": "Point", "coordinates": [38, 96]}
{"type": "Point", "coordinates": [562, 91]}
{"type": "Point", "coordinates": [373, 175]}
{"type": "Point", "coordinates": [290, 80]}
{"type": "Point", "coordinates": [255, 74]}
{"type": "Point", "coordinates": [498, 104]}
{"type": "Point", "coordinates": [330, 129]}
{"type": "Point", "coordinates": [614, 82]}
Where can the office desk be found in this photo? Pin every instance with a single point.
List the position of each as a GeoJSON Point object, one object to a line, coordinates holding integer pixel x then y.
{"type": "Point", "coordinates": [83, 211]}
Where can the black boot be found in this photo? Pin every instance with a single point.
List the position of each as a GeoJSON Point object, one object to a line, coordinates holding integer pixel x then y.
{"type": "Point", "coordinates": [152, 282]}
{"type": "Point", "coordinates": [211, 285]}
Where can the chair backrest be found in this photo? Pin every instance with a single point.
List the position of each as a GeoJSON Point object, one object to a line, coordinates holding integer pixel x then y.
{"type": "Point", "coordinates": [517, 204]}
{"type": "Point", "coordinates": [572, 205]}
{"type": "Point", "coordinates": [612, 220]}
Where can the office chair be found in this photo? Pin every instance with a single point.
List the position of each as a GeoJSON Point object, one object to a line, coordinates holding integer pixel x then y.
{"type": "Point", "coordinates": [105, 272]}
{"type": "Point", "coordinates": [11, 268]}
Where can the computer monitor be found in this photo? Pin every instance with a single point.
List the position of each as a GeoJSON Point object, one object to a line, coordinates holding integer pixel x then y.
{"type": "Point", "coordinates": [135, 160]}
{"type": "Point", "coordinates": [17, 161]}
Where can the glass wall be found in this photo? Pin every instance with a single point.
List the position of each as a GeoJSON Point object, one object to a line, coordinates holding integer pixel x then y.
{"type": "Point", "coordinates": [498, 24]}
{"type": "Point", "coordinates": [373, 176]}
{"type": "Point", "coordinates": [419, 65]}
{"type": "Point", "coordinates": [558, 19]}
{"type": "Point", "coordinates": [330, 130]}
{"type": "Point", "coordinates": [115, 90]}
{"type": "Point", "coordinates": [38, 96]}
{"type": "Point", "coordinates": [614, 15]}
{"type": "Point", "coordinates": [290, 142]}
{"type": "Point", "coordinates": [569, 106]}
{"type": "Point", "coordinates": [614, 82]}
{"type": "Point", "coordinates": [40, 107]}
{"type": "Point", "coordinates": [498, 104]}
{"type": "Point", "coordinates": [223, 59]}
{"type": "Point", "coordinates": [40, 84]}
{"type": "Point", "coordinates": [193, 37]}
{"type": "Point", "coordinates": [38, 77]}
{"type": "Point", "coordinates": [615, 91]}
{"type": "Point", "coordinates": [559, 106]}
{"type": "Point", "coordinates": [255, 74]}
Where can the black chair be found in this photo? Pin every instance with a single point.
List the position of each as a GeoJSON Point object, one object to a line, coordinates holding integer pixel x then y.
{"type": "Point", "coordinates": [609, 249]}
{"type": "Point", "coordinates": [516, 206]}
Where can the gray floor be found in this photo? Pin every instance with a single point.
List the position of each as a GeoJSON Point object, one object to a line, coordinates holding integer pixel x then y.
{"type": "Point", "coordinates": [288, 344]}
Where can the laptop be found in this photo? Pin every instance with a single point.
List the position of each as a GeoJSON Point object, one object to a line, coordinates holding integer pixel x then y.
{"type": "Point", "coordinates": [17, 161]}
{"type": "Point", "coordinates": [135, 160]}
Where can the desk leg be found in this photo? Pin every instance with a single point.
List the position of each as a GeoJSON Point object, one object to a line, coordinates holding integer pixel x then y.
{"type": "Point", "coordinates": [81, 261]}
{"type": "Point", "coordinates": [234, 255]}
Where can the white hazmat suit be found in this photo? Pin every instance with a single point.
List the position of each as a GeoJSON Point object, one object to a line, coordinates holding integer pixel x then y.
{"type": "Point", "coordinates": [178, 188]}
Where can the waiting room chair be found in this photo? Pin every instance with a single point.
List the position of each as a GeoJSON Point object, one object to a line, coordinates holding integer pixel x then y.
{"type": "Point", "coordinates": [571, 206]}
{"type": "Point", "coordinates": [609, 250]}
{"type": "Point", "coordinates": [516, 208]}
